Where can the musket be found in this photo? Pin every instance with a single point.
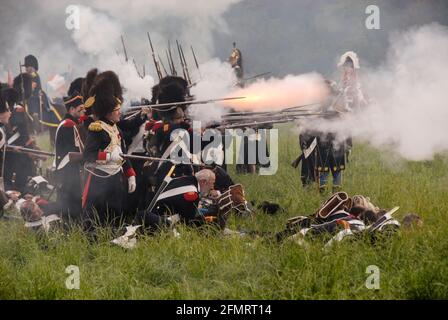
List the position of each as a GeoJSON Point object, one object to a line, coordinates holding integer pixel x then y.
{"type": "Point", "coordinates": [186, 65]}
{"type": "Point", "coordinates": [124, 49]}
{"type": "Point", "coordinates": [172, 104]}
{"type": "Point", "coordinates": [161, 62]}
{"type": "Point", "coordinates": [257, 76]}
{"type": "Point", "coordinates": [145, 158]}
{"type": "Point", "coordinates": [169, 62]}
{"type": "Point", "coordinates": [196, 62]}
{"type": "Point", "coordinates": [171, 59]}
{"type": "Point", "coordinates": [136, 69]}
{"type": "Point", "coordinates": [181, 61]}
{"type": "Point", "coordinates": [252, 124]}
{"type": "Point", "coordinates": [273, 120]}
{"type": "Point", "coordinates": [236, 115]}
{"type": "Point", "coordinates": [289, 110]}
{"type": "Point", "coordinates": [29, 151]}
{"type": "Point", "coordinates": [271, 117]}
{"type": "Point", "coordinates": [156, 64]}
{"type": "Point", "coordinates": [162, 187]}
{"type": "Point", "coordinates": [22, 89]}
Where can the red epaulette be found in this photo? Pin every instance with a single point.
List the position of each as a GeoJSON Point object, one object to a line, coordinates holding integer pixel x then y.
{"type": "Point", "coordinates": [82, 119]}
{"type": "Point", "coordinates": [68, 123]}
{"type": "Point", "coordinates": [149, 124]}
{"type": "Point", "coordinates": [153, 125]}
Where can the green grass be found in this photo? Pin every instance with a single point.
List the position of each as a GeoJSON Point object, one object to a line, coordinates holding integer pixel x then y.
{"type": "Point", "coordinates": [413, 264]}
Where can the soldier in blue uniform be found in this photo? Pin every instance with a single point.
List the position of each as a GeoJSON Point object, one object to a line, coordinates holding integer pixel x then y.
{"type": "Point", "coordinates": [69, 172]}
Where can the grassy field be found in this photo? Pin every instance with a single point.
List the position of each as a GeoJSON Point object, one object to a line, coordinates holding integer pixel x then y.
{"type": "Point", "coordinates": [413, 264]}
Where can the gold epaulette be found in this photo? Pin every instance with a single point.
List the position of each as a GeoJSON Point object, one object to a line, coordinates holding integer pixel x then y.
{"type": "Point", "coordinates": [95, 126]}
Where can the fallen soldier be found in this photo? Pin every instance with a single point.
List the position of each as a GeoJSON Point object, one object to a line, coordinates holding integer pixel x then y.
{"type": "Point", "coordinates": [191, 200]}
{"type": "Point", "coordinates": [340, 217]}
{"type": "Point", "coordinates": [36, 212]}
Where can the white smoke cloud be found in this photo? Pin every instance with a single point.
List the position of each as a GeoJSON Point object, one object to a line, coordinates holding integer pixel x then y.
{"type": "Point", "coordinates": [409, 109]}
{"type": "Point", "coordinates": [98, 33]}
{"type": "Point", "coordinates": [216, 80]}
{"type": "Point", "coordinates": [97, 42]}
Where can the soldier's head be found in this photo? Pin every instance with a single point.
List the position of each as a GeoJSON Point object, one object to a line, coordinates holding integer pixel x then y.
{"type": "Point", "coordinates": [411, 221]}
{"type": "Point", "coordinates": [5, 112]}
{"type": "Point", "coordinates": [10, 96]}
{"type": "Point", "coordinates": [206, 180]}
{"type": "Point", "coordinates": [30, 211]}
{"type": "Point", "coordinates": [178, 116]}
{"type": "Point", "coordinates": [106, 96]}
{"type": "Point", "coordinates": [31, 64]}
{"type": "Point", "coordinates": [74, 106]}
{"type": "Point", "coordinates": [23, 86]}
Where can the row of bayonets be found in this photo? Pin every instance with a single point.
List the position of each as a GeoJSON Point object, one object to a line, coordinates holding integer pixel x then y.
{"type": "Point", "coordinates": [162, 71]}
{"type": "Point", "coordinates": [158, 63]}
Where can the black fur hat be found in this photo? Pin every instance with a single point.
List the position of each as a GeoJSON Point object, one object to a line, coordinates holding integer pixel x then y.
{"type": "Point", "coordinates": [170, 89]}
{"type": "Point", "coordinates": [31, 61]}
{"type": "Point", "coordinates": [87, 83]}
{"type": "Point", "coordinates": [75, 87]}
{"type": "Point", "coordinates": [3, 107]}
{"type": "Point", "coordinates": [10, 95]}
{"type": "Point", "coordinates": [107, 92]}
{"type": "Point", "coordinates": [26, 80]}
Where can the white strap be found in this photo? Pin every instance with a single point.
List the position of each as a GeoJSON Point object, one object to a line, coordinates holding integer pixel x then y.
{"type": "Point", "coordinates": [177, 191]}
{"type": "Point", "coordinates": [14, 138]}
{"type": "Point", "coordinates": [310, 149]}
{"type": "Point", "coordinates": [63, 162]}
{"type": "Point", "coordinates": [3, 138]}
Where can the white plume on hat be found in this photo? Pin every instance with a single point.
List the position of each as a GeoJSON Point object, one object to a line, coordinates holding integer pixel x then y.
{"type": "Point", "coordinates": [353, 56]}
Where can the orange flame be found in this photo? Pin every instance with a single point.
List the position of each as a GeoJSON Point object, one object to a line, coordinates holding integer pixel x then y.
{"type": "Point", "coordinates": [275, 94]}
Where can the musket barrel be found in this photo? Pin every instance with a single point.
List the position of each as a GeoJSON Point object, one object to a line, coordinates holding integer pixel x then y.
{"type": "Point", "coordinates": [134, 108]}
{"type": "Point", "coordinates": [29, 150]}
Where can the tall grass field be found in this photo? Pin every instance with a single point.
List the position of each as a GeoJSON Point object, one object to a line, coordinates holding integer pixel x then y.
{"type": "Point", "coordinates": [413, 264]}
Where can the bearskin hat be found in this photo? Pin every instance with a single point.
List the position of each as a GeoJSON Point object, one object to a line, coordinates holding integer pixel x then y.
{"type": "Point", "coordinates": [87, 83]}
{"type": "Point", "coordinates": [3, 106]}
{"type": "Point", "coordinates": [75, 87]}
{"type": "Point", "coordinates": [170, 89]}
{"type": "Point", "coordinates": [107, 93]}
{"type": "Point", "coordinates": [31, 61]}
{"type": "Point", "coordinates": [24, 80]}
{"type": "Point", "coordinates": [10, 95]}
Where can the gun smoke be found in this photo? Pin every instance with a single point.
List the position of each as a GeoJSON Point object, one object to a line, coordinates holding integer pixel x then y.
{"type": "Point", "coordinates": [408, 93]}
